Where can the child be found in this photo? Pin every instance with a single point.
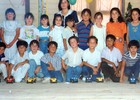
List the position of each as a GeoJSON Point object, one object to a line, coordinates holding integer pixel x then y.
{"type": "Point", "coordinates": [51, 64]}
{"type": "Point", "coordinates": [111, 60]}
{"type": "Point", "coordinates": [19, 64]}
{"type": "Point", "coordinates": [99, 31]}
{"type": "Point", "coordinates": [117, 27]}
{"type": "Point", "coordinates": [134, 26]}
{"type": "Point", "coordinates": [56, 34]}
{"type": "Point", "coordinates": [131, 61]}
{"type": "Point", "coordinates": [28, 32]}
{"type": "Point", "coordinates": [91, 59]}
{"type": "Point", "coordinates": [74, 56]}
{"type": "Point", "coordinates": [34, 60]}
{"type": "Point", "coordinates": [3, 61]}
{"type": "Point", "coordinates": [44, 30]}
{"type": "Point", "coordinates": [83, 28]}
{"type": "Point", "coordinates": [69, 31]}
{"type": "Point", "coordinates": [10, 33]}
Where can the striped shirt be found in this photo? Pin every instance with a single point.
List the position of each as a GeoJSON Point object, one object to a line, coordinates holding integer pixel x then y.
{"type": "Point", "coordinates": [130, 61]}
{"type": "Point", "coordinates": [83, 34]}
{"type": "Point", "coordinates": [55, 60]}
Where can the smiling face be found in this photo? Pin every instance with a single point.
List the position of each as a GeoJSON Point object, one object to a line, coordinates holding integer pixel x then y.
{"type": "Point", "coordinates": [110, 43]}
{"type": "Point", "coordinates": [135, 16]}
{"type": "Point", "coordinates": [52, 48]}
{"type": "Point", "coordinates": [29, 20]}
{"type": "Point", "coordinates": [34, 47]}
{"type": "Point", "coordinates": [115, 15]}
{"type": "Point", "coordinates": [58, 21]}
{"type": "Point", "coordinates": [10, 16]}
{"type": "Point", "coordinates": [21, 49]}
{"type": "Point", "coordinates": [73, 43]}
{"type": "Point", "coordinates": [86, 16]}
{"type": "Point", "coordinates": [64, 4]}
{"type": "Point", "coordinates": [44, 22]}
{"type": "Point", "coordinates": [92, 43]}
{"type": "Point", "coordinates": [133, 50]}
{"type": "Point", "coordinates": [98, 19]}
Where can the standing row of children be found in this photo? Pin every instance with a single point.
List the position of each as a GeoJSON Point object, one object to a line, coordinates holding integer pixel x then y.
{"type": "Point", "coordinates": [64, 45]}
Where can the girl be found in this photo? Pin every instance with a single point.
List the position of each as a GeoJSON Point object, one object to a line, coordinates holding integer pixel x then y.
{"type": "Point", "coordinates": [69, 31]}
{"type": "Point", "coordinates": [10, 33]}
{"type": "Point", "coordinates": [83, 28]}
{"type": "Point", "coordinates": [28, 32]}
{"type": "Point", "coordinates": [134, 26]}
{"type": "Point", "coordinates": [99, 31]}
{"type": "Point", "coordinates": [56, 34]}
{"type": "Point", "coordinates": [44, 30]}
{"type": "Point", "coordinates": [117, 27]}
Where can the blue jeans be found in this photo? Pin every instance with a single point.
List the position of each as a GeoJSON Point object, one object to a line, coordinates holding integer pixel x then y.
{"type": "Point", "coordinates": [32, 69]}
{"type": "Point", "coordinates": [43, 43]}
{"type": "Point", "coordinates": [73, 72]}
{"type": "Point", "coordinates": [87, 71]}
{"type": "Point", "coordinates": [51, 74]}
{"type": "Point", "coordinates": [135, 69]}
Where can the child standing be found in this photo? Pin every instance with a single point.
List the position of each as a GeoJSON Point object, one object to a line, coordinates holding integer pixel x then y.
{"type": "Point", "coordinates": [74, 56]}
{"type": "Point", "coordinates": [10, 33]}
{"type": "Point", "coordinates": [91, 59]}
{"type": "Point", "coordinates": [111, 60]}
{"type": "Point", "coordinates": [34, 60]}
{"type": "Point", "coordinates": [3, 60]}
{"type": "Point", "coordinates": [69, 31]}
{"type": "Point", "coordinates": [117, 27]}
{"type": "Point", "coordinates": [28, 32]}
{"type": "Point", "coordinates": [51, 64]}
{"type": "Point", "coordinates": [134, 26]}
{"type": "Point", "coordinates": [19, 64]}
{"type": "Point", "coordinates": [44, 30]}
{"type": "Point", "coordinates": [83, 28]}
{"type": "Point", "coordinates": [99, 31]}
{"type": "Point", "coordinates": [56, 34]}
{"type": "Point", "coordinates": [131, 61]}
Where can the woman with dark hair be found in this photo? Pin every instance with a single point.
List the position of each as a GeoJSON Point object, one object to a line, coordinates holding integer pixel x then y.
{"type": "Point", "coordinates": [64, 10]}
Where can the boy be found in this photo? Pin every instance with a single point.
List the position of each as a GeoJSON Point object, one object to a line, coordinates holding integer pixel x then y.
{"type": "Point", "coordinates": [19, 64]}
{"type": "Point", "coordinates": [111, 60]}
{"type": "Point", "coordinates": [3, 60]}
{"type": "Point", "coordinates": [74, 56]}
{"type": "Point", "coordinates": [91, 59]}
{"type": "Point", "coordinates": [131, 61]}
{"type": "Point", "coordinates": [51, 64]}
{"type": "Point", "coordinates": [34, 60]}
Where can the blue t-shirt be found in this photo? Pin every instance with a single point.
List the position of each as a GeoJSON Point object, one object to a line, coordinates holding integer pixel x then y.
{"type": "Point", "coordinates": [43, 31]}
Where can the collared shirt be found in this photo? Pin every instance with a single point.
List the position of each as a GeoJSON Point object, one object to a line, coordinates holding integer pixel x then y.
{"type": "Point", "coordinates": [114, 56]}
{"type": "Point", "coordinates": [55, 60]}
{"type": "Point", "coordinates": [74, 58]}
{"type": "Point", "coordinates": [93, 58]}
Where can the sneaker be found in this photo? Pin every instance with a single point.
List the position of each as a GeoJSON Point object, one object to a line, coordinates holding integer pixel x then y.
{"type": "Point", "coordinates": [46, 80]}
{"type": "Point", "coordinates": [38, 79]}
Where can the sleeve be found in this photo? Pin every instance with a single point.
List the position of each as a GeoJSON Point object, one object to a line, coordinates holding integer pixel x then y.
{"type": "Point", "coordinates": [51, 33]}
{"type": "Point", "coordinates": [99, 59]}
{"type": "Point", "coordinates": [64, 34]}
{"type": "Point", "coordinates": [18, 25]}
{"type": "Point", "coordinates": [103, 54]}
{"type": "Point", "coordinates": [2, 24]}
{"type": "Point", "coordinates": [84, 56]}
{"type": "Point", "coordinates": [65, 56]}
{"type": "Point", "coordinates": [22, 34]}
{"type": "Point", "coordinates": [74, 14]}
{"type": "Point", "coordinates": [119, 56]}
{"type": "Point", "coordinates": [36, 33]}
{"type": "Point", "coordinates": [44, 59]}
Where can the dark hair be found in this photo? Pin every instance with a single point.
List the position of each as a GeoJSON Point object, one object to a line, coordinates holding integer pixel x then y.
{"type": "Point", "coordinates": [92, 37]}
{"type": "Point", "coordinates": [44, 16]}
{"type": "Point", "coordinates": [52, 42]}
{"type": "Point", "coordinates": [137, 10]}
{"type": "Point", "coordinates": [73, 37]}
{"type": "Point", "coordinates": [10, 10]}
{"type": "Point", "coordinates": [2, 45]}
{"type": "Point", "coordinates": [111, 37]}
{"type": "Point", "coordinates": [22, 43]}
{"type": "Point", "coordinates": [69, 18]}
{"type": "Point", "coordinates": [133, 43]}
{"type": "Point", "coordinates": [55, 16]}
{"type": "Point", "coordinates": [27, 15]}
{"type": "Point", "coordinates": [88, 11]}
{"type": "Point", "coordinates": [34, 42]}
{"type": "Point", "coordinates": [98, 14]}
{"type": "Point", "coordinates": [120, 18]}
{"type": "Point", "coordinates": [59, 5]}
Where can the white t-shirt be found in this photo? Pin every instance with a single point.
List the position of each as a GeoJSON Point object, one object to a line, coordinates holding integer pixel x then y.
{"type": "Point", "coordinates": [74, 58]}
{"type": "Point", "coordinates": [28, 33]}
{"type": "Point", "coordinates": [93, 58]}
{"type": "Point", "coordinates": [113, 56]}
{"type": "Point", "coordinates": [36, 56]}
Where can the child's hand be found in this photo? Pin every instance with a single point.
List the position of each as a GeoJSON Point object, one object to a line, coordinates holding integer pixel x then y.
{"type": "Point", "coordinates": [51, 68]}
{"type": "Point", "coordinates": [95, 70]}
{"type": "Point", "coordinates": [37, 70]}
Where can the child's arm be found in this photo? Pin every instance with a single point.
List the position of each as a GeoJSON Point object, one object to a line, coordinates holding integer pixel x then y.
{"type": "Point", "coordinates": [127, 36]}
{"type": "Point", "coordinates": [63, 64]}
{"type": "Point", "coordinates": [50, 66]}
{"type": "Point", "coordinates": [65, 44]}
{"type": "Point", "coordinates": [21, 64]}
{"type": "Point", "coordinates": [37, 69]}
{"type": "Point", "coordinates": [2, 36]}
{"type": "Point", "coordinates": [118, 69]}
{"type": "Point", "coordinates": [91, 32]}
{"type": "Point", "coordinates": [122, 71]}
{"type": "Point", "coordinates": [95, 70]}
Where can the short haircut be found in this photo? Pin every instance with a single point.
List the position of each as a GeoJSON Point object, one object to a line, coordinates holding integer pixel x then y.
{"type": "Point", "coordinates": [69, 18]}
{"type": "Point", "coordinates": [73, 37]}
{"type": "Point", "coordinates": [44, 16]}
{"type": "Point", "coordinates": [55, 16]}
{"type": "Point", "coordinates": [133, 43]}
{"type": "Point", "coordinates": [92, 37]}
{"type": "Point", "coordinates": [34, 42]}
{"type": "Point", "coordinates": [59, 5]}
{"type": "Point", "coordinates": [52, 43]}
{"type": "Point", "coordinates": [2, 45]}
{"type": "Point", "coordinates": [22, 43]}
{"type": "Point", "coordinates": [27, 15]}
{"type": "Point", "coordinates": [111, 37]}
{"type": "Point", "coordinates": [10, 10]}
{"type": "Point", "coordinates": [137, 10]}
{"type": "Point", "coordinates": [98, 14]}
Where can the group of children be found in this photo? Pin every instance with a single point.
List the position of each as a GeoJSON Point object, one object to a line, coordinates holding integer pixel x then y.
{"type": "Point", "coordinates": [80, 50]}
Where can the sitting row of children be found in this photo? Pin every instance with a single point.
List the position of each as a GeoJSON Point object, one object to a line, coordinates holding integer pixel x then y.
{"type": "Point", "coordinates": [75, 61]}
